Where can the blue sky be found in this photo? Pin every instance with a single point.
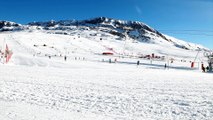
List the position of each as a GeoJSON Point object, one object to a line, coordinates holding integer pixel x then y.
{"type": "Point", "coordinates": [190, 20]}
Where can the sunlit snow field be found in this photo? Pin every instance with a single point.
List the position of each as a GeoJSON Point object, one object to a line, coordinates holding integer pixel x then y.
{"type": "Point", "coordinates": [87, 87]}
{"type": "Point", "coordinates": [95, 90]}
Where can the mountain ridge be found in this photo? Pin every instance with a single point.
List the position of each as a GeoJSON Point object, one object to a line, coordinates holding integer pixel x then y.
{"type": "Point", "coordinates": [135, 30]}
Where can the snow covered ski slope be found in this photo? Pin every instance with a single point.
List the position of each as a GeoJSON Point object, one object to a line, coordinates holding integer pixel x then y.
{"type": "Point", "coordinates": [58, 72]}
{"type": "Point", "coordinates": [32, 48]}
{"type": "Point", "coordinates": [86, 90]}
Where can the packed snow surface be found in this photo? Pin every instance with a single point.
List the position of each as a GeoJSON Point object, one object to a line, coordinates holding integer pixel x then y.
{"type": "Point", "coordinates": [102, 91]}
{"type": "Point", "coordinates": [38, 84]}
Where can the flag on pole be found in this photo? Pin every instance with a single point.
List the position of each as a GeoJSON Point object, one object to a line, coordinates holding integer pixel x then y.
{"type": "Point", "coordinates": [6, 49]}
{"type": "Point", "coordinates": [8, 53]}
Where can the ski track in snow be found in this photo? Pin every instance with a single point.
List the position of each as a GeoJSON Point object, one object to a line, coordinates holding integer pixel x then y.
{"type": "Point", "coordinates": [122, 93]}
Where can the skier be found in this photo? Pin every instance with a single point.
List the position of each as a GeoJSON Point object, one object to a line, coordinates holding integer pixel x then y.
{"type": "Point", "coordinates": [203, 68]}
{"type": "Point", "coordinates": [138, 62]}
{"type": "Point", "coordinates": [110, 61]}
{"type": "Point", "coordinates": [65, 58]}
{"type": "Point", "coordinates": [115, 60]}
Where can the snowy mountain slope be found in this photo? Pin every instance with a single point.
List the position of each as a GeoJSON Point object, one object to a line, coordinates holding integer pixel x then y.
{"type": "Point", "coordinates": [32, 44]}
{"type": "Point", "coordinates": [137, 31]}
{"type": "Point", "coordinates": [35, 48]}
{"type": "Point", "coordinates": [10, 26]}
{"type": "Point", "coordinates": [133, 29]}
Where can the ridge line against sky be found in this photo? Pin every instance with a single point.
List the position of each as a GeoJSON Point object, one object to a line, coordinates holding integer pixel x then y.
{"type": "Point", "coordinates": [171, 17]}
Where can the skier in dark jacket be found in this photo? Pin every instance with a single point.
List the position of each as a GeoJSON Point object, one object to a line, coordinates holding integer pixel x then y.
{"type": "Point", "coordinates": [203, 68]}
{"type": "Point", "coordinates": [65, 58]}
{"type": "Point", "coordinates": [138, 62]}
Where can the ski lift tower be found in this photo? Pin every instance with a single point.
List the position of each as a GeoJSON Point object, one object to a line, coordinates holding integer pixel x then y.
{"type": "Point", "coordinates": [127, 29]}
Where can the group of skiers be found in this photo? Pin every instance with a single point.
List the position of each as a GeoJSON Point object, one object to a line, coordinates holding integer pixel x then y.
{"type": "Point", "coordinates": [65, 58]}
{"type": "Point", "coordinates": [205, 69]}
